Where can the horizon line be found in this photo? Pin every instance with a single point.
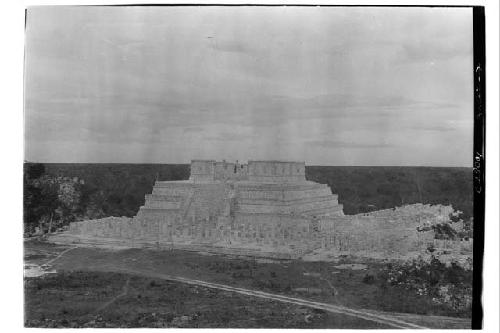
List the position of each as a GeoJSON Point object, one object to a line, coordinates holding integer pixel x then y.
{"type": "Point", "coordinates": [307, 165]}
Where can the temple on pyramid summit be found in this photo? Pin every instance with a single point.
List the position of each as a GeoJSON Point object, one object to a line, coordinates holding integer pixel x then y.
{"type": "Point", "coordinates": [263, 208]}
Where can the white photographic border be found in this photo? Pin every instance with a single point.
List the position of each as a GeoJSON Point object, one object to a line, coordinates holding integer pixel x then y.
{"type": "Point", "coordinates": [12, 21]}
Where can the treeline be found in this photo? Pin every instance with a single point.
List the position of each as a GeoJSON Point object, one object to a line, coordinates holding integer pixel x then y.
{"type": "Point", "coordinates": [364, 189]}
{"type": "Point", "coordinates": [98, 190]}
{"type": "Point", "coordinates": [61, 193]}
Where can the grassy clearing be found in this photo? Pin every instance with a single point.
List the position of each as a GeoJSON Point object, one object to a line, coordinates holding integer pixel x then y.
{"type": "Point", "coordinates": [36, 250]}
{"type": "Point", "coordinates": [73, 299]}
{"type": "Point", "coordinates": [321, 281]}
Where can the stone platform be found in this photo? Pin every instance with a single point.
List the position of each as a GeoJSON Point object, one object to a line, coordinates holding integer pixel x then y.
{"type": "Point", "coordinates": [263, 208]}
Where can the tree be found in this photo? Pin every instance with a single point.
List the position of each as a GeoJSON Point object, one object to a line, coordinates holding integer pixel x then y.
{"type": "Point", "coordinates": [34, 204]}
{"type": "Point", "coordinates": [444, 231]}
{"type": "Point", "coordinates": [40, 202]}
{"type": "Point", "coordinates": [456, 217]}
{"type": "Point", "coordinates": [34, 170]}
{"type": "Point", "coordinates": [49, 201]}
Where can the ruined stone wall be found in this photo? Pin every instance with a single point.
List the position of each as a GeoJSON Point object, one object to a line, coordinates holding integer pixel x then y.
{"type": "Point", "coordinates": [275, 211]}
{"type": "Point", "coordinates": [167, 199]}
{"type": "Point", "coordinates": [202, 170]}
{"type": "Point", "coordinates": [163, 201]}
{"type": "Point", "coordinates": [173, 188]}
{"type": "Point", "coordinates": [276, 171]}
{"type": "Point", "coordinates": [257, 171]}
{"type": "Point", "coordinates": [208, 200]}
{"type": "Point", "coordinates": [431, 213]}
{"type": "Point", "coordinates": [310, 207]}
{"type": "Point", "coordinates": [283, 191]}
{"type": "Point", "coordinates": [115, 227]}
{"type": "Point", "coordinates": [274, 230]}
{"type": "Point", "coordinates": [368, 236]}
{"type": "Point", "coordinates": [245, 215]}
{"type": "Point", "coordinates": [230, 171]}
{"type": "Point", "coordinates": [282, 235]}
{"type": "Point", "coordinates": [389, 232]}
{"type": "Point", "coordinates": [280, 198]}
{"type": "Point", "coordinates": [456, 246]}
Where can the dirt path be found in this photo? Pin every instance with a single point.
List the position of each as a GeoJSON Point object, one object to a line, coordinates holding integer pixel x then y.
{"type": "Point", "coordinates": [382, 319]}
{"type": "Point", "coordinates": [111, 301]}
{"type": "Point", "coordinates": [335, 292]}
{"type": "Point", "coordinates": [34, 268]}
{"type": "Point", "coordinates": [59, 256]}
{"type": "Point", "coordinates": [394, 320]}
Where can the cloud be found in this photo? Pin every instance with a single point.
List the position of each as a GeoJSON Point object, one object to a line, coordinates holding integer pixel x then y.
{"type": "Point", "coordinates": [229, 137]}
{"type": "Point", "coordinates": [343, 100]}
{"type": "Point", "coordinates": [228, 45]}
{"type": "Point", "coordinates": [433, 128]}
{"type": "Point", "coordinates": [237, 81]}
{"type": "Point", "coordinates": [192, 130]}
{"type": "Point", "coordinates": [444, 126]}
{"type": "Point", "coordinates": [346, 144]}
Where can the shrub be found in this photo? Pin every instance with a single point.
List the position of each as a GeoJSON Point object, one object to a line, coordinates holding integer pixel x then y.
{"type": "Point", "coordinates": [368, 279]}
{"type": "Point", "coordinates": [448, 285]}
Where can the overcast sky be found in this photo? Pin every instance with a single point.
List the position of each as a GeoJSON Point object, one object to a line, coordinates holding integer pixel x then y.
{"type": "Point", "coordinates": [329, 86]}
